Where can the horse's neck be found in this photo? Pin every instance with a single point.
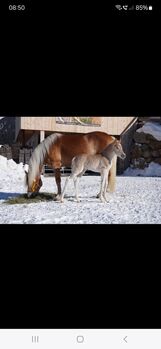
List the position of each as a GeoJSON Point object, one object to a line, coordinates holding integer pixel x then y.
{"type": "Point", "coordinates": [109, 153]}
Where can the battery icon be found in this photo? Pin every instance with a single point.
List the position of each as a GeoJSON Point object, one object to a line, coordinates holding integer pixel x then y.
{"type": "Point", "coordinates": [150, 8]}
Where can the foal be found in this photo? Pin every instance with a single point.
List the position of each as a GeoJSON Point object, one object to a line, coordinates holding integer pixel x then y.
{"type": "Point", "coordinates": [97, 163]}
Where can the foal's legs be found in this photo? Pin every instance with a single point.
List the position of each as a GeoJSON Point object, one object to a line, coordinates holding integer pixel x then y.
{"type": "Point", "coordinates": [104, 174]}
{"type": "Point", "coordinates": [75, 179]}
{"type": "Point", "coordinates": [64, 190]}
{"type": "Point", "coordinates": [76, 172]}
{"type": "Point", "coordinates": [105, 188]}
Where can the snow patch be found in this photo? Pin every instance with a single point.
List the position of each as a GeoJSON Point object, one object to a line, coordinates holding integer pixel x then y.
{"type": "Point", "coordinates": [152, 128]}
{"type": "Point", "coordinates": [11, 171]}
{"type": "Point", "coordinates": [153, 170]}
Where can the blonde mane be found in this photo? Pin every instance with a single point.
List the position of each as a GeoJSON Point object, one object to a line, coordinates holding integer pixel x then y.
{"type": "Point", "coordinates": [38, 157]}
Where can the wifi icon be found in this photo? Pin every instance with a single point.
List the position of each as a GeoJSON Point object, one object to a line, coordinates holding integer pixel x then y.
{"type": "Point", "coordinates": [119, 7]}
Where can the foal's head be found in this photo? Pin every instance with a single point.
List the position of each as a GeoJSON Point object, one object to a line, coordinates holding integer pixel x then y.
{"type": "Point", "coordinates": [117, 148]}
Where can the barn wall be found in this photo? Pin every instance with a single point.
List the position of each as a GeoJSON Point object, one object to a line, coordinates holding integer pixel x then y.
{"type": "Point", "coordinates": [116, 125]}
{"type": "Point", "coordinates": [111, 125]}
{"type": "Point", "coordinates": [38, 123]}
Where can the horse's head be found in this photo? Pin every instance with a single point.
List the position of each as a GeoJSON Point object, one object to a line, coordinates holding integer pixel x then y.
{"type": "Point", "coordinates": [34, 187]}
{"type": "Point", "coordinates": [119, 150]}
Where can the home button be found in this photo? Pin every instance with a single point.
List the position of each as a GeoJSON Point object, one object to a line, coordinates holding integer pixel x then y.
{"type": "Point", "coordinates": [80, 339]}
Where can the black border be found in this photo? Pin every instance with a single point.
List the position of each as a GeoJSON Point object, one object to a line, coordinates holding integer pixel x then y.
{"type": "Point", "coordinates": [111, 78]}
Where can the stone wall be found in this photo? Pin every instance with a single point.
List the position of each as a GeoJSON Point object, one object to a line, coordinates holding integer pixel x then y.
{"type": "Point", "coordinates": [127, 143]}
{"type": "Point", "coordinates": [7, 130]}
{"type": "Point", "coordinates": [146, 149]}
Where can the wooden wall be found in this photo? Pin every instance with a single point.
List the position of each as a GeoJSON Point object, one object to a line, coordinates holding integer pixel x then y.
{"type": "Point", "coordinates": [117, 125]}
{"type": "Point", "coordinates": [112, 125]}
{"type": "Point", "coordinates": [38, 123]}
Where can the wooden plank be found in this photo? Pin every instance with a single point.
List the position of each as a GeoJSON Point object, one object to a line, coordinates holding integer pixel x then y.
{"type": "Point", "coordinates": [42, 136]}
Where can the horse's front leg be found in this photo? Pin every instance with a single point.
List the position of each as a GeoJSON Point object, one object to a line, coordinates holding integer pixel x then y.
{"type": "Point", "coordinates": [58, 182]}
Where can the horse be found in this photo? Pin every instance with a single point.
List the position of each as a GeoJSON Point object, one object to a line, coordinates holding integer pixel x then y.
{"type": "Point", "coordinates": [58, 150]}
{"type": "Point", "coordinates": [97, 163]}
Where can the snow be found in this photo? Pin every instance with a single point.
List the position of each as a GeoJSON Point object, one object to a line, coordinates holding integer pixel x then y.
{"type": "Point", "coordinates": [152, 128]}
{"type": "Point", "coordinates": [153, 170]}
{"type": "Point", "coordinates": [10, 171]}
{"type": "Point", "coordinates": [136, 200]}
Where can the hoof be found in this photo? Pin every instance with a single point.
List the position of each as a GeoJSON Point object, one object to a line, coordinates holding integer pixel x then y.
{"type": "Point", "coordinates": [103, 200]}
{"type": "Point", "coordinates": [57, 198]}
{"type": "Point", "coordinates": [107, 199]}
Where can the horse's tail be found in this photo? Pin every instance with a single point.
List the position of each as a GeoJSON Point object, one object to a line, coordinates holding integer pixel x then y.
{"type": "Point", "coordinates": [112, 176]}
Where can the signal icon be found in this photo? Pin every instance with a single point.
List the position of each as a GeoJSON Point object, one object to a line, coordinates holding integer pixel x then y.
{"type": "Point", "coordinates": [131, 8]}
{"type": "Point", "coordinates": [119, 7]}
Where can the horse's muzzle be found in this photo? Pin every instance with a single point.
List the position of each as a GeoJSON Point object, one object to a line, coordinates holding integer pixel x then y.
{"type": "Point", "coordinates": [29, 195]}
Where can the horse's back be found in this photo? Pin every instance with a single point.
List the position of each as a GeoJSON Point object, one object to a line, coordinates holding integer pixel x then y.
{"type": "Point", "coordinates": [67, 146]}
{"type": "Point", "coordinates": [99, 140]}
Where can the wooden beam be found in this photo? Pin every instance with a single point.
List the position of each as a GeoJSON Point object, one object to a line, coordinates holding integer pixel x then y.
{"type": "Point", "coordinates": [42, 136]}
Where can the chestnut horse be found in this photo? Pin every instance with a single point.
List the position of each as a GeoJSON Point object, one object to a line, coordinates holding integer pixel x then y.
{"type": "Point", "coordinates": [58, 150]}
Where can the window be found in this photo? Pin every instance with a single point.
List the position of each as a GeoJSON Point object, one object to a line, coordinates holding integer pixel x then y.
{"type": "Point", "coordinates": [79, 120]}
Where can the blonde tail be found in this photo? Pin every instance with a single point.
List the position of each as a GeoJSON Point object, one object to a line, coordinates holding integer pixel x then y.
{"type": "Point", "coordinates": [112, 176]}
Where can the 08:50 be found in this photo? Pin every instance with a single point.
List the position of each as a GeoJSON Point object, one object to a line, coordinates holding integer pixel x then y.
{"type": "Point", "coordinates": [16, 7]}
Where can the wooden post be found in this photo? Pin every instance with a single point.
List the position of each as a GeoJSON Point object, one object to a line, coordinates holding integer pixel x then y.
{"type": "Point", "coordinates": [42, 136]}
